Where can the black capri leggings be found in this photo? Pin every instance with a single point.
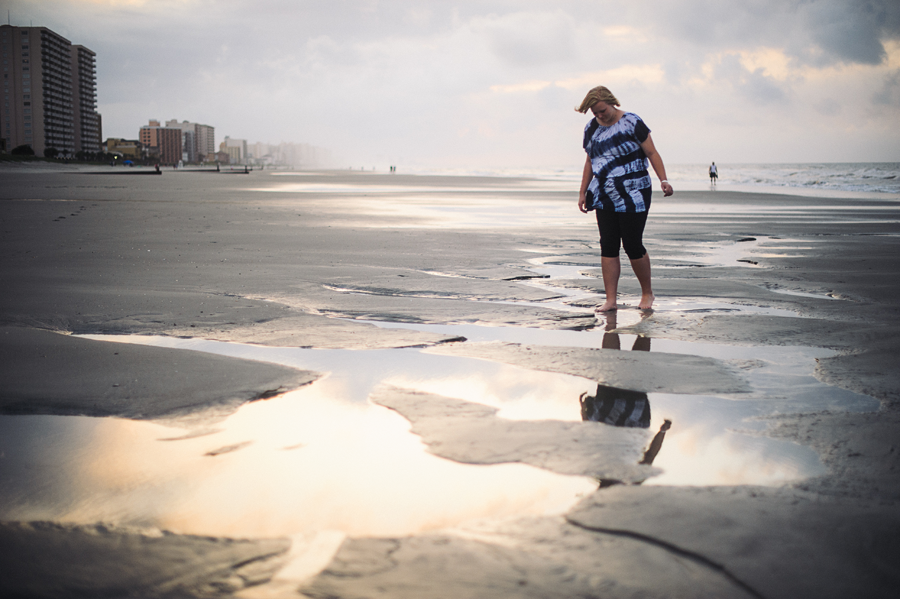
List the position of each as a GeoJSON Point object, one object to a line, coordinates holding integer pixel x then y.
{"type": "Point", "coordinates": [621, 228]}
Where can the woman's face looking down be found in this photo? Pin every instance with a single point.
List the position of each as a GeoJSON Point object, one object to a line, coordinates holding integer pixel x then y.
{"type": "Point", "coordinates": [604, 113]}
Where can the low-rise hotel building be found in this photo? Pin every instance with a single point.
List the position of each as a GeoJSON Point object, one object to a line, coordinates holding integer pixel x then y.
{"type": "Point", "coordinates": [162, 143]}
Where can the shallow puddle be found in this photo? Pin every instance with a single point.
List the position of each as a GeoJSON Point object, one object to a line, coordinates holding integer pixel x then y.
{"type": "Point", "coordinates": [318, 458]}
{"type": "Point", "coordinates": [324, 458]}
{"type": "Point", "coordinates": [776, 289]}
{"type": "Point", "coordinates": [571, 298]}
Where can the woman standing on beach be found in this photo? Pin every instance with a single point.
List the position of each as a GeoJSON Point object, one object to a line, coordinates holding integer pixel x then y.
{"type": "Point", "coordinates": [617, 185]}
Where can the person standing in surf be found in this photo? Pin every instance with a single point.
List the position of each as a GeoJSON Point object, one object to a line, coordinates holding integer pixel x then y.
{"type": "Point", "coordinates": [616, 184]}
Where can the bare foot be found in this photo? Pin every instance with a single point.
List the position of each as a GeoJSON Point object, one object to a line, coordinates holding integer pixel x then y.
{"type": "Point", "coordinates": [608, 306]}
{"type": "Point", "coordinates": [646, 302]}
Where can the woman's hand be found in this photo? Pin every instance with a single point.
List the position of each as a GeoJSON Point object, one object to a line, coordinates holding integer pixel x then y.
{"type": "Point", "coordinates": [586, 176]}
{"type": "Point", "coordinates": [667, 189]}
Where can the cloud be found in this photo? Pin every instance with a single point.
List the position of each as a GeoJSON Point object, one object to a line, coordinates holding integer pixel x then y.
{"type": "Point", "coordinates": [525, 39]}
{"type": "Point", "coordinates": [755, 85]}
{"type": "Point", "coordinates": [850, 32]}
{"type": "Point", "coordinates": [889, 94]}
{"type": "Point", "coordinates": [492, 81]}
{"type": "Point", "coordinates": [828, 107]}
{"type": "Point", "coordinates": [813, 32]}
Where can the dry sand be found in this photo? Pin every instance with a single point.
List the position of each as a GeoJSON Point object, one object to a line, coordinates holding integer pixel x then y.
{"type": "Point", "coordinates": [86, 252]}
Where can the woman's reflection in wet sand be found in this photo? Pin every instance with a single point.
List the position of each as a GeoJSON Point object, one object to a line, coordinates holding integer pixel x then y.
{"type": "Point", "coordinates": [616, 407]}
{"type": "Point", "coordinates": [622, 407]}
{"type": "Point", "coordinates": [611, 338]}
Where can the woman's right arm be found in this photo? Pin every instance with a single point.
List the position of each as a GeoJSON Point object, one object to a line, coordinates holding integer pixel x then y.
{"type": "Point", "coordinates": [586, 177]}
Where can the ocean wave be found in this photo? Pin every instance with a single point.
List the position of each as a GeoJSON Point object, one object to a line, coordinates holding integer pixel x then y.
{"type": "Point", "coordinates": [873, 177]}
{"type": "Point", "coordinates": [860, 177]}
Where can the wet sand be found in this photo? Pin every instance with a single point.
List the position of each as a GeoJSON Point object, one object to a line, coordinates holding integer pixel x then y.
{"type": "Point", "coordinates": [302, 260]}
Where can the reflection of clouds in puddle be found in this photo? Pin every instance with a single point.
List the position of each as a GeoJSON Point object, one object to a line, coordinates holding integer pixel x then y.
{"type": "Point", "coordinates": [743, 253]}
{"type": "Point", "coordinates": [732, 459]}
{"type": "Point", "coordinates": [777, 289]}
{"type": "Point", "coordinates": [783, 374]}
{"type": "Point", "coordinates": [702, 304]}
{"type": "Point", "coordinates": [712, 253]}
{"type": "Point", "coordinates": [519, 394]}
{"type": "Point", "coordinates": [360, 472]}
{"type": "Point", "coordinates": [704, 447]}
{"type": "Point", "coordinates": [357, 470]}
{"type": "Point", "coordinates": [322, 458]}
{"type": "Point", "coordinates": [782, 379]}
{"type": "Point", "coordinates": [573, 297]}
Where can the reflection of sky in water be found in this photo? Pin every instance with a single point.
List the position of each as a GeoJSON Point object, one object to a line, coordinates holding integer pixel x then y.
{"type": "Point", "coordinates": [729, 252]}
{"type": "Point", "coordinates": [781, 376]}
{"type": "Point", "coordinates": [314, 462]}
{"type": "Point", "coordinates": [323, 458]}
{"type": "Point", "coordinates": [573, 299]}
{"type": "Point", "coordinates": [681, 255]}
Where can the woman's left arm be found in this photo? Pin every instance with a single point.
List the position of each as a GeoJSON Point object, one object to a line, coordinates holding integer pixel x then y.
{"type": "Point", "coordinates": [657, 164]}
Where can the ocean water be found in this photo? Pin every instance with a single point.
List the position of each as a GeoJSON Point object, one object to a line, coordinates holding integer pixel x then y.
{"type": "Point", "coordinates": [866, 177]}
{"type": "Point", "coordinates": [837, 179]}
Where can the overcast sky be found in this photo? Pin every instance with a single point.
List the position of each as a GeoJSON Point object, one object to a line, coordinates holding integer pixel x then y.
{"type": "Point", "coordinates": [493, 82]}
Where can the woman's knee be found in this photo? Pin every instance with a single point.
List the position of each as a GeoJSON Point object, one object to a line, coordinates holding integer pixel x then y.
{"type": "Point", "coordinates": [608, 249]}
{"type": "Point", "coordinates": [635, 252]}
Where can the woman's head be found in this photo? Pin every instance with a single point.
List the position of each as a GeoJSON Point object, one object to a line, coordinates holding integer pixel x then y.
{"type": "Point", "coordinates": [598, 94]}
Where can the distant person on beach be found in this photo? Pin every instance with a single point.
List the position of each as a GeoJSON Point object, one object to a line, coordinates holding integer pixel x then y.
{"type": "Point", "coordinates": [617, 185]}
{"type": "Point", "coordinates": [713, 174]}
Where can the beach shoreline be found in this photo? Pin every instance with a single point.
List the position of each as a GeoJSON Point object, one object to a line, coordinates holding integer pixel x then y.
{"type": "Point", "coordinates": [257, 261]}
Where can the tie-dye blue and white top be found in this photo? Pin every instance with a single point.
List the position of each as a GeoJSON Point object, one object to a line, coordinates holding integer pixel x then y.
{"type": "Point", "coordinates": [621, 182]}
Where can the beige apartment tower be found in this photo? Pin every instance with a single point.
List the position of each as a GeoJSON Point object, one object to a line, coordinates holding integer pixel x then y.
{"type": "Point", "coordinates": [49, 92]}
{"type": "Point", "coordinates": [199, 140]}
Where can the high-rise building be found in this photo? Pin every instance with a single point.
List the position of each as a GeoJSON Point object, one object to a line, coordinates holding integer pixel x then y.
{"type": "Point", "coordinates": [205, 137]}
{"type": "Point", "coordinates": [188, 139]}
{"type": "Point", "coordinates": [49, 92]}
{"type": "Point", "coordinates": [199, 140]}
{"type": "Point", "coordinates": [86, 121]}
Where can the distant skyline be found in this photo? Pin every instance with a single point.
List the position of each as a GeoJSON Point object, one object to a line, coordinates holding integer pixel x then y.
{"type": "Point", "coordinates": [494, 83]}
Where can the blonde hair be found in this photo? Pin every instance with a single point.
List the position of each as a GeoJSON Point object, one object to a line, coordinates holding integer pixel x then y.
{"type": "Point", "coordinates": [598, 94]}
